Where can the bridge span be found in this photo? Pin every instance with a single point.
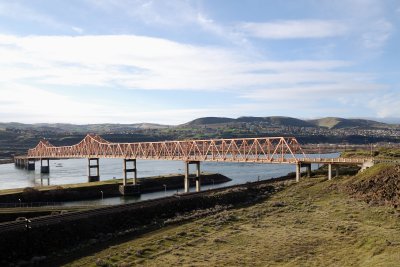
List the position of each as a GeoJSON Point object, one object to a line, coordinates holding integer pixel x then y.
{"type": "Point", "coordinates": [268, 150]}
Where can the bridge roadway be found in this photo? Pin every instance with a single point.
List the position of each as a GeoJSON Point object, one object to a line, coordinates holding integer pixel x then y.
{"type": "Point", "coordinates": [268, 150]}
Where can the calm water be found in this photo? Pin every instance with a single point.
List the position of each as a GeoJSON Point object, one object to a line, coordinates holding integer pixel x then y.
{"type": "Point", "coordinates": [75, 171]}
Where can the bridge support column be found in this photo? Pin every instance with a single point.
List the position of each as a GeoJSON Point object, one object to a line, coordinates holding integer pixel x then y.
{"type": "Point", "coordinates": [337, 170]}
{"type": "Point", "coordinates": [129, 189]}
{"type": "Point", "coordinates": [186, 181]}
{"type": "Point", "coordinates": [298, 172]}
{"type": "Point", "coordinates": [198, 181]}
{"type": "Point", "coordinates": [329, 171]}
{"type": "Point", "coordinates": [30, 164]}
{"type": "Point", "coordinates": [17, 162]}
{"type": "Point", "coordinates": [45, 168]}
{"type": "Point", "coordinates": [93, 177]}
{"type": "Point", "coordinates": [308, 168]}
{"type": "Point", "coordinates": [127, 170]}
{"type": "Point", "coordinates": [198, 178]}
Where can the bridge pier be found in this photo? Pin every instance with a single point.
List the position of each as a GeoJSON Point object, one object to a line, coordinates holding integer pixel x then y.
{"type": "Point", "coordinates": [329, 171]}
{"type": "Point", "coordinates": [198, 182]}
{"type": "Point", "coordinates": [129, 189]}
{"type": "Point", "coordinates": [17, 162]}
{"type": "Point", "coordinates": [367, 164]}
{"type": "Point", "coordinates": [93, 177]}
{"type": "Point", "coordinates": [337, 171]}
{"type": "Point", "coordinates": [198, 178]}
{"type": "Point", "coordinates": [44, 168]}
{"type": "Point", "coordinates": [30, 164]}
{"type": "Point", "coordinates": [21, 163]}
{"type": "Point", "coordinates": [308, 169]}
{"type": "Point", "coordinates": [298, 172]}
{"type": "Point", "coordinates": [127, 170]}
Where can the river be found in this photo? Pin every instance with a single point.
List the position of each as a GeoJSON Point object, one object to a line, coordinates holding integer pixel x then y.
{"type": "Point", "coordinates": [70, 171]}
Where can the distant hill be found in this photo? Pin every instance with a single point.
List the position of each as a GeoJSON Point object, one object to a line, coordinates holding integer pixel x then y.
{"type": "Point", "coordinates": [273, 120]}
{"type": "Point", "coordinates": [209, 120]}
{"type": "Point", "coordinates": [337, 123]}
{"type": "Point", "coordinates": [328, 122]}
{"type": "Point", "coordinates": [81, 128]}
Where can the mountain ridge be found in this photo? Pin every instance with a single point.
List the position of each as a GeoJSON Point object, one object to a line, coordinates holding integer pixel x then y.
{"type": "Point", "coordinates": [325, 122]}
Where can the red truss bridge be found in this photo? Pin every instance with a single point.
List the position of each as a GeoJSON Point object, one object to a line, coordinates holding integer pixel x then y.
{"type": "Point", "coordinates": [261, 150]}
{"type": "Point", "coordinates": [271, 150]}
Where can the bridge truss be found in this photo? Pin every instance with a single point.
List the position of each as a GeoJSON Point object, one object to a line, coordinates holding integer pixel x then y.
{"type": "Point", "coordinates": [258, 150]}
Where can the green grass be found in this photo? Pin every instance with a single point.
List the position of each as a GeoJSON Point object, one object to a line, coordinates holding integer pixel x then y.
{"type": "Point", "coordinates": [312, 223]}
{"type": "Point", "coordinates": [380, 153]}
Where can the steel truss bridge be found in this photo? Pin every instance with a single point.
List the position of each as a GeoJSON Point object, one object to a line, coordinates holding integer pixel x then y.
{"type": "Point", "coordinates": [272, 150]}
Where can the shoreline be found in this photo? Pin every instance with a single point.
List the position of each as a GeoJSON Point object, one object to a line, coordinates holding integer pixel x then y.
{"type": "Point", "coordinates": [6, 161]}
{"type": "Point", "coordinates": [107, 188]}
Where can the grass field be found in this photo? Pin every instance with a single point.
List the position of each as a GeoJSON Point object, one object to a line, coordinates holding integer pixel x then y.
{"type": "Point", "coordinates": [311, 223]}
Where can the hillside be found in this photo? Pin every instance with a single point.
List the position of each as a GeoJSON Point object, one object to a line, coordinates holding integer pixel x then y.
{"type": "Point", "coordinates": [311, 223]}
{"type": "Point", "coordinates": [81, 128]}
{"type": "Point", "coordinates": [208, 120]}
{"type": "Point", "coordinates": [328, 122]}
{"type": "Point", "coordinates": [336, 123]}
{"type": "Point", "coordinates": [272, 120]}
{"type": "Point", "coordinates": [16, 138]}
{"type": "Point", "coordinates": [379, 185]}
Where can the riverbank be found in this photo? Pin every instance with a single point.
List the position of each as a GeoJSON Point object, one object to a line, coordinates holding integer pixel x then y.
{"type": "Point", "coordinates": [6, 161]}
{"type": "Point", "coordinates": [25, 240]}
{"type": "Point", "coordinates": [315, 222]}
{"type": "Point", "coordinates": [96, 190]}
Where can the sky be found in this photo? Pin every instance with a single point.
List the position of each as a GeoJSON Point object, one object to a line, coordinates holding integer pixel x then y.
{"type": "Point", "coordinates": [168, 62]}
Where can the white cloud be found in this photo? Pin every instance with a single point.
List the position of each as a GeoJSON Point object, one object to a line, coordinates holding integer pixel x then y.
{"type": "Point", "coordinates": [292, 29]}
{"type": "Point", "coordinates": [147, 63]}
{"type": "Point", "coordinates": [29, 64]}
{"type": "Point", "coordinates": [26, 104]}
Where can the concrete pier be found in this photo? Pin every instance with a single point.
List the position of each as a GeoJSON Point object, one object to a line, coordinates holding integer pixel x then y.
{"type": "Point", "coordinates": [198, 176]}
{"type": "Point", "coordinates": [93, 177]}
{"type": "Point", "coordinates": [186, 181]}
{"type": "Point", "coordinates": [44, 168]}
{"type": "Point", "coordinates": [129, 189]}
{"type": "Point", "coordinates": [308, 167]}
{"type": "Point", "coordinates": [298, 172]}
{"type": "Point", "coordinates": [30, 164]}
{"type": "Point", "coordinates": [367, 165]}
{"type": "Point", "coordinates": [329, 171]}
{"type": "Point", "coordinates": [198, 182]}
{"type": "Point", "coordinates": [128, 170]}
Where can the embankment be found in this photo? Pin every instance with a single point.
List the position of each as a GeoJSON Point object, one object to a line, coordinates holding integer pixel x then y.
{"type": "Point", "coordinates": [378, 185]}
{"type": "Point", "coordinates": [46, 236]}
{"type": "Point", "coordinates": [94, 190]}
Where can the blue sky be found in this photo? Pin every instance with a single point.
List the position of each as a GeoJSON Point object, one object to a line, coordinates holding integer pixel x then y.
{"type": "Point", "coordinates": [123, 61]}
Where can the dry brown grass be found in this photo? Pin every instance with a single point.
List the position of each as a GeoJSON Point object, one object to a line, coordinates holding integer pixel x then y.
{"type": "Point", "coordinates": [311, 223]}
